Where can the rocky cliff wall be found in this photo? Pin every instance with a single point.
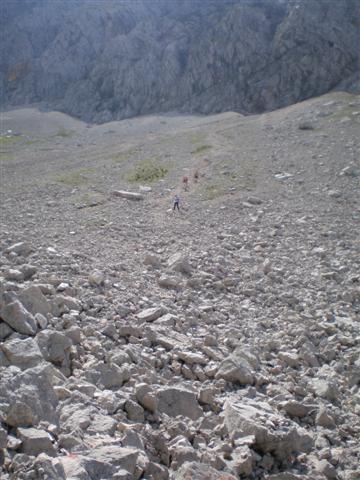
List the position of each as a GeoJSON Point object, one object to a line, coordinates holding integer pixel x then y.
{"type": "Point", "coordinates": [104, 60]}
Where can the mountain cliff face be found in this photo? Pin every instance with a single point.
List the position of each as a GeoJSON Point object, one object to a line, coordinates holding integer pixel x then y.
{"type": "Point", "coordinates": [104, 60]}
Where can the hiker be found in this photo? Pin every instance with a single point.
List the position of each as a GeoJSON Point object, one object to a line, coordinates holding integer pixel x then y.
{"type": "Point", "coordinates": [176, 203]}
{"type": "Point", "coordinates": [185, 181]}
{"type": "Point", "coordinates": [196, 176]}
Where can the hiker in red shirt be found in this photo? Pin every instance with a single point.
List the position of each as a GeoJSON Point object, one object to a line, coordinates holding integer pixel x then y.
{"type": "Point", "coordinates": [185, 181]}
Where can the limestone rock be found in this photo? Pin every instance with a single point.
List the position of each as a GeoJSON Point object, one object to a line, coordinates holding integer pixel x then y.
{"type": "Point", "coordinates": [178, 401]}
{"type": "Point", "coordinates": [22, 353]}
{"type": "Point", "coordinates": [179, 263]}
{"type": "Point", "coordinates": [151, 314]}
{"type": "Point", "coordinates": [237, 369]}
{"type": "Point", "coordinates": [35, 441]}
{"type": "Point", "coordinates": [201, 471]}
{"type": "Point", "coordinates": [3, 437]}
{"type": "Point", "coordinates": [34, 300]}
{"type": "Point", "coordinates": [54, 346]}
{"type": "Point", "coordinates": [103, 462]}
{"type": "Point", "coordinates": [96, 278]}
{"type": "Point", "coordinates": [108, 376]}
{"type": "Point", "coordinates": [272, 433]}
{"type": "Point", "coordinates": [18, 318]}
{"type": "Point", "coordinates": [20, 248]}
{"type": "Point", "coordinates": [128, 195]}
{"type": "Point", "coordinates": [28, 397]}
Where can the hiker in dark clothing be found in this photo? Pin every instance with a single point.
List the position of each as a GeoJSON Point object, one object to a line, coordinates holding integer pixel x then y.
{"type": "Point", "coordinates": [176, 202]}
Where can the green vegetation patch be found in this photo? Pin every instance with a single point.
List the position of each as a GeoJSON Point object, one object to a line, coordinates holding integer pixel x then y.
{"type": "Point", "coordinates": [197, 137]}
{"type": "Point", "coordinates": [212, 191]}
{"type": "Point", "coordinates": [147, 172]}
{"type": "Point", "coordinates": [75, 178]}
{"type": "Point", "coordinates": [5, 157]}
{"type": "Point", "coordinates": [64, 133]}
{"type": "Point", "coordinates": [124, 156]}
{"type": "Point", "coordinates": [8, 141]}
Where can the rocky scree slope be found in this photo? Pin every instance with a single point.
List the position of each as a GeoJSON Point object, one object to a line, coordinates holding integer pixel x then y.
{"type": "Point", "coordinates": [111, 60]}
{"type": "Point", "coordinates": [221, 343]}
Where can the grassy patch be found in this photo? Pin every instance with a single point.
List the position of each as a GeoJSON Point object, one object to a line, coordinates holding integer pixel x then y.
{"type": "Point", "coordinates": [212, 191]}
{"type": "Point", "coordinates": [147, 172]}
{"type": "Point", "coordinates": [123, 156]}
{"type": "Point", "coordinates": [8, 141]}
{"type": "Point", "coordinates": [201, 149]}
{"type": "Point", "coordinates": [75, 178]}
{"type": "Point", "coordinates": [5, 157]}
{"type": "Point", "coordinates": [63, 133]}
{"type": "Point", "coordinates": [197, 137]}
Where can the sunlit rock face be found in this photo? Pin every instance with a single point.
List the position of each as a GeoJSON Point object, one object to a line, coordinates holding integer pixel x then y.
{"type": "Point", "coordinates": [107, 60]}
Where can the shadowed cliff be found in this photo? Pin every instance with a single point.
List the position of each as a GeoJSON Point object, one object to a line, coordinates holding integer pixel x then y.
{"type": "Point", "coordinates": [116, 59]}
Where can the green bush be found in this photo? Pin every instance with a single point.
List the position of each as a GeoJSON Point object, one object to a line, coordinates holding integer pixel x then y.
{"type": "Point", "coordinates": [147, 172]}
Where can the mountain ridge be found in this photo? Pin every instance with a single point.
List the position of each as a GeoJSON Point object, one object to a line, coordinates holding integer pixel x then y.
{"type": "Point", "coordinates": [118, 60]}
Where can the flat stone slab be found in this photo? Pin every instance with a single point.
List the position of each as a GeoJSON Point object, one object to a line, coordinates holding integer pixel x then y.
{"type": "Point", "coordinates": [128, 195]}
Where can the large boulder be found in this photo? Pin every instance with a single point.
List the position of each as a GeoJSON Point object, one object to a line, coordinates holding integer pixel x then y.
{"type": "Point", "coordinates": [272, 433]}
{"type": "Point", "coordinates": [55, 347]}
{"type": "Point", "coordinates": [35, 441]}
{"type": "Point", "coordinates": [101, 463]}
{"type": "Point", "coordinates": [239, 367]}
{"type": "Point", "coordinates": [18, 318]}
{"type": "Point", "coordinates": [28, 397]}
{"type": "Point", "coordinates": [22, 353]}
{"type": "Point", "coordinates": [128, 195]}
{"type": "Point", "coordinates": [34, 300]}
{"type": "Point", "coordinates": [200, 471]}
{"type": "Point", "coordinates": [178, 401]}
{"type": "Point", "coordinates": [107, 375]}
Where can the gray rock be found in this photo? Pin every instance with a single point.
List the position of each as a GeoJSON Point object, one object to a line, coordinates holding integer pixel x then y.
{"type": "Point", "coordinates": [22, 353]}
{"type": "Point", "coordinates": [237, 368]}
{"type": "Point", "coordinates": [107, 376]}
{"type": "Point", "coordinates": [54, 346]}
{"type": "Point", "coordinates": [51, 467]}
{"type": "Point", "coordinates": [21, 248]}
{"type": "Point", "coordinates": [272, 433]}
{"type": "Point", "coordinates": [128, 195]}
{"type": "Point", "coordinates": [165, 281]}
{"type": "Point", "coordinates": [101, 463]}
{"type": "Point", "coordinates": [146, 396]}
{"type": "Point", "coordinates": [35, 441]}
{"type": "Point", "coordinates": [18, 318]}
{"type": "Point", "coordinates": [152, 260]}
{"type": "Point", "coordinates": [28, 397]}
{"type": "Point", "coordinates": [5, 330]}
{"type": "Point", "coordinates": [151, 314]}
{"type": "Point", "coordinates": [179, 263]}
{"type": "Point", "coordinates": [178, 401]}
{"type": "Point", "coordinates": [134, 411]}
{"type": "Point", "coordinates": [34, 300]}
{"type": "Point", "coordinates": [3, 437]}
{"type": "Point", "coordinates": [96, 278]}
{"type": "Point", "coordinates": [201, 471]}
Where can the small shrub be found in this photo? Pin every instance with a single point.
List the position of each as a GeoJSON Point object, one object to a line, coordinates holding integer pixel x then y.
{"type": "Point", "coordinates": [147, 172]}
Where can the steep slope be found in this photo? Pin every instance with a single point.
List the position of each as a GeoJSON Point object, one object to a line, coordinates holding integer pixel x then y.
{"type": "Point", "coordinates": [220, 342]}
{"type": "Point", "coordinates": [111, 60]}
